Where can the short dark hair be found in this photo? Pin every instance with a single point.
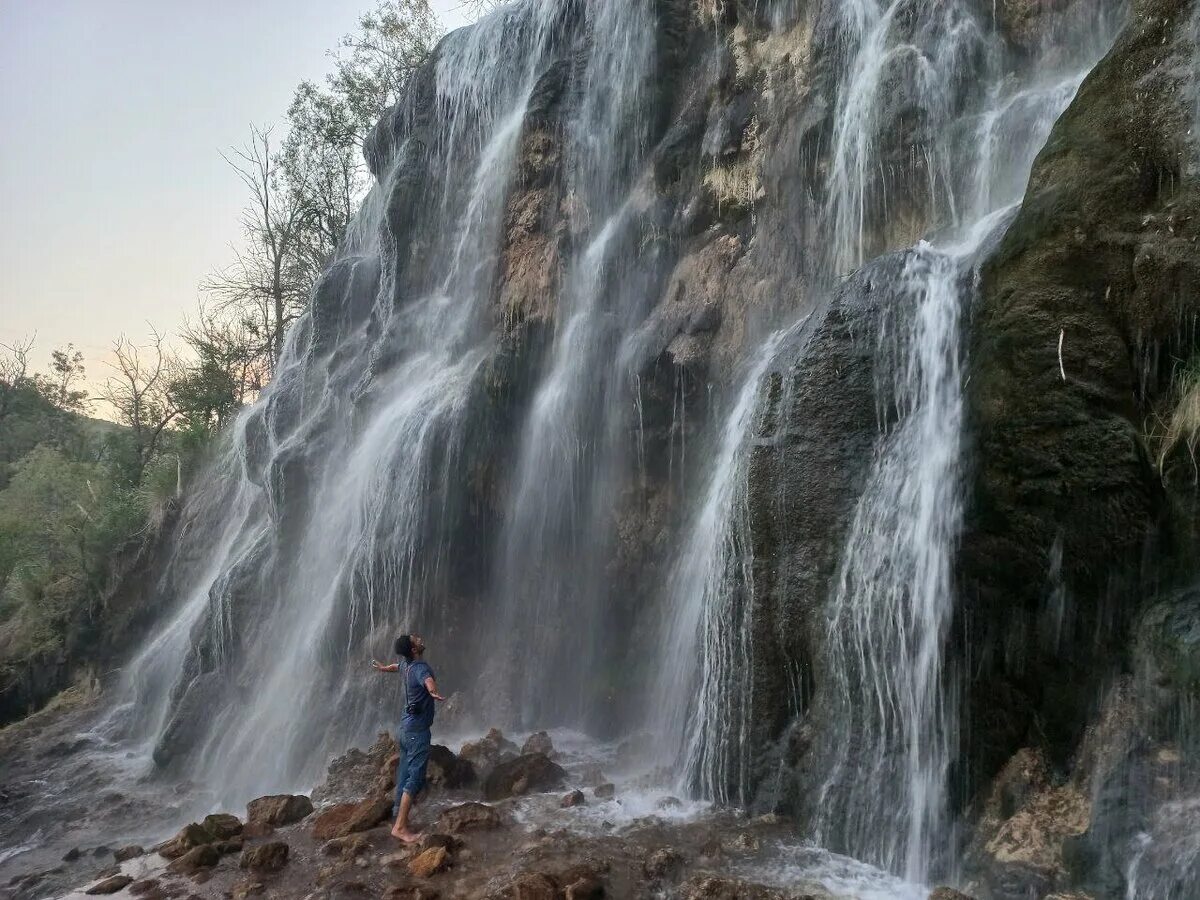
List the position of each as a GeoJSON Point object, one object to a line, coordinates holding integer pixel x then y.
{"type": "Point", "coordinates": [404, 647]}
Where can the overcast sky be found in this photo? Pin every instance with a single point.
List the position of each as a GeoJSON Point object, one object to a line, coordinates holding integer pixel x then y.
{"type": "Point", "coordinates": [113, 113]}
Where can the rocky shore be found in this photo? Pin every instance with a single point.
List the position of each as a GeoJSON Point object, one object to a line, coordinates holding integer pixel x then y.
{"type": "Point", "coordinates": [498, 821]}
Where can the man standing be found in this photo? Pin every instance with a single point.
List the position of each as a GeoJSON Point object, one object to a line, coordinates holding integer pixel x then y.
{"type": "Point", "coordinates": [420, 693]}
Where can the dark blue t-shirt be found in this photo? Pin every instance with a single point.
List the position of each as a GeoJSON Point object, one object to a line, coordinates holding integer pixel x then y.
{"type": "Point", "coordinates": [418, 704]}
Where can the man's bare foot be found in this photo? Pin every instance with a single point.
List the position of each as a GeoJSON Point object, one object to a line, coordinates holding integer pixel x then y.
{"type": "Point", "coordinates": [406, 835]}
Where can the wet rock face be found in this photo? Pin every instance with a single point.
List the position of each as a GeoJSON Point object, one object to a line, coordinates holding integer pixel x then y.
{"type": "Point", "coordinates": [810, 461]}
{"type": "Point", "coordinates": [1167, 649]}
{"type": "Point", "coordinates": [1062, 462]}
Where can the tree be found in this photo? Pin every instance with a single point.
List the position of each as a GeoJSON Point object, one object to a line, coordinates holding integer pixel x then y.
{"type": "Point", "coordinates": [225, 375]}
{"type": "Point", "coordinates": [321, 160]}
{"type": "Point", "coordinates": [14, 373]}
{"type": "Point", "coordinates": [268, 283]}
{"type": "Point", "coordinates": [59, 385]}
{"type": "Point", "coordinates": [140, 396]}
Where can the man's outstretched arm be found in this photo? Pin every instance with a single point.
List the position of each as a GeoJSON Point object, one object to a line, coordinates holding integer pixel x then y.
{"type": "Point", "coordinates": [431, 686]}
{"type": "Point", "coordinates": [380, 667]}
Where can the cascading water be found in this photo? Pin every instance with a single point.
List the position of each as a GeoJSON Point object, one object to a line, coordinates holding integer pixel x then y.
{"type": "Point", "coordinates": [559, 525]}
{"type": "Point", "coordinates": [334, 481]}
{"type": "Point", "coordinates": [702, 691]}
{"type": "Point", "coordinates": [887, 701]}
{"type": "Point", "coordinates": [892, 700]}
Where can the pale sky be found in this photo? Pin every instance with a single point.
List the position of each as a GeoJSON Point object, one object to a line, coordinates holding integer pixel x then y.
{"type": "Point", "coordinates": [116, 202]}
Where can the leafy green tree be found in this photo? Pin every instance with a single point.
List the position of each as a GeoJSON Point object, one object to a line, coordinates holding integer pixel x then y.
{"type": "Point", "coordinates": [60, 386]}
{"type": "Point", "coordinates": [321, 160]}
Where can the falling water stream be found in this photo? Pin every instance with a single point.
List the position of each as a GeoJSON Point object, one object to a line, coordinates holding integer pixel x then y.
{"type": "Point", "coordinates": [887, 699]}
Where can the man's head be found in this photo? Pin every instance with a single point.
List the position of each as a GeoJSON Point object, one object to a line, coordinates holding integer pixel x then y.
{"type": "Point", "coordinates": [410, 646]}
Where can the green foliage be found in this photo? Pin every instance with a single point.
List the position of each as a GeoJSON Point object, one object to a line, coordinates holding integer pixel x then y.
{"type": "Point", "coordinates": [321, 160]}
{"type": "Point", "coordinates": [53, 532]}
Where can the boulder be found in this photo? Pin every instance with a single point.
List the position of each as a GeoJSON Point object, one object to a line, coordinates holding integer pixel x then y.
{"type": "Point", "coordinates": [357, 773]}
{"type": "Point", "coordinates": [189, 837]}
{"type": "Point", "coordinates": [131, 852]}
{"type": "Point", "coordinates": [429, 862]}
{"type": "Point", "coordinates": [605, 791]}
{"type": "Point", "coordinates": [149, 887]}
{"type": "Point", "coordinates": [278, 809]}
{"type": "Point", "coordinates": [575, 798]}
{"type": "Point", "coordinates": [538, 742]}
{"type": "Point", "coordinates": [467, 817]}
{"type": "Point", "coordinates": [489, 751]}
{"type": "Point", "coordinates": [232, 845]}
{"type": "Point", "coordinates": [110, 885]}
{"type": "Point", "coordinates": [269, 857]}
{"type": "Point", "coordinates": [350, 818]}
{"type": "Point", "coordinates": [203, 857]}
{"type": "Point", "coordinates": [222, 825]}
{"type": "Point", "coordinates": [665, 862]}
{"type": "Point", "coordinates": [1028, 847]}
{"type": "Point", "coordinates": [447, 770]}
{"type": "Point", "coordinates": [348, 847]}
{"type": "Point", "coordinates": [331, 822]}
{"type": "Point", "coordinates": [948, 893]}
{"type": "Point", "coordinates": [529, 773]}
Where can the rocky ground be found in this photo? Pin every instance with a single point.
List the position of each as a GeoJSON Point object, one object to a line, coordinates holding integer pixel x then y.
{"type": "Point", "coordinates": [498, 820]}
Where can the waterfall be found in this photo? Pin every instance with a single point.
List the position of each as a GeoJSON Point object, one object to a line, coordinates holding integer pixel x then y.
{"type": "Point", "coordinates": [559, 525]}
{"type": "Point", "coordinates": [885, 699]}
{"type": "Point", "coordinates": [700, 711]}
{"type": "Point", "coordinates": [317, 534]}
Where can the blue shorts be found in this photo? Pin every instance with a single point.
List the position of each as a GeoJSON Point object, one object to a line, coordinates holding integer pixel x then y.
{"type": "Point", "coordinates": [410, 772]}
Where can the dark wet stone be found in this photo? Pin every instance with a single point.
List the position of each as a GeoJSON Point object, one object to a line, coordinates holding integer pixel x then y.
{"type": "Point", "coordinates": [529, 773]}
{"type": "Point", "coordinates": [468, 817]}
{"type": "Point", "coordinates": [538, 742]}
{"type": "Point", "coordinates": [110, 885]}
{"type": "Point", "coordinates": [269, 857]}
{"type": "Point", "coordinates": [575, 798]}
{"type": "Point", "coordinates": [203, 857]}
{"type": "Point", "coordinates": [222, 825]}
{"type": "Point", "coordinates": [278, 809]}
